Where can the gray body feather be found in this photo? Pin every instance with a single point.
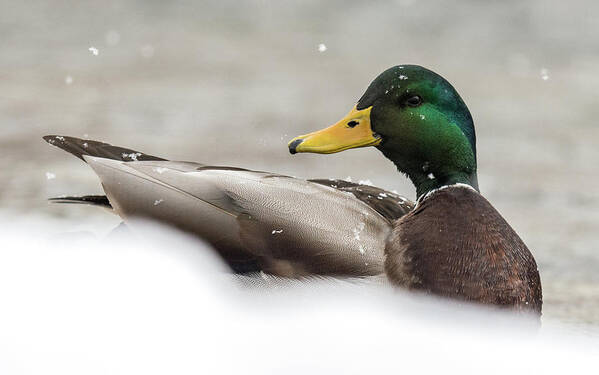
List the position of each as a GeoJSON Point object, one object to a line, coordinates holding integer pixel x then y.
{"type": "Point", "coordinates": [257, 221]}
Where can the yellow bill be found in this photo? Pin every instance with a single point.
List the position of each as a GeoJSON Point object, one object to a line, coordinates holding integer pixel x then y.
{"type": "Point", "coordinates": [354, 130]}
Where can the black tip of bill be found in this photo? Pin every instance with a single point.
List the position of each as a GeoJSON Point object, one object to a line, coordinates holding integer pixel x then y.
{"type": "Point", "coordinates": [293, 145]}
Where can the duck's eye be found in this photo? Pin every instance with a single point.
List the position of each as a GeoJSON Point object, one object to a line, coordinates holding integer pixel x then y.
{"type": "Point", "coordinates": [414, 101]}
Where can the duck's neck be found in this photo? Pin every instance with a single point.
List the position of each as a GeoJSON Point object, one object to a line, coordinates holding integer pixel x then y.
{"type": "Point", "coordinates": [427, 182]}
{"type": "Point", "coordinates": [427, 177]}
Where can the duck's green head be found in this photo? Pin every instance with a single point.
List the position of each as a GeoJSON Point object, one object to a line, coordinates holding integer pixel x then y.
{"type": "Point", "coordinates": [417, 119]}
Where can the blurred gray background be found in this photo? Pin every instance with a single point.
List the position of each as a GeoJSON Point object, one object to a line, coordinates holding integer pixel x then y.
{"type": "Point", "coordinates": [229, 83]}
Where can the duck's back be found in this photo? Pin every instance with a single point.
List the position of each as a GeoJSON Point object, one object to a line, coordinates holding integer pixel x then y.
{"type": "Point", "coordinates": [257, 221]}
{"type": "Point", "coordinates": [455, 244]}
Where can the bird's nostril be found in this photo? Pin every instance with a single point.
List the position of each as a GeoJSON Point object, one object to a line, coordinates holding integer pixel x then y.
{"type": "Point", "coordinates": [352, 123]}
{"type": "Point", "coordinates": [293, 145]}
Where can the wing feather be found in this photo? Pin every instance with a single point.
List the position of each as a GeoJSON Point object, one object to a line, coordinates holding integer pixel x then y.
{"type": "Point", "coordinates": [291, 226]}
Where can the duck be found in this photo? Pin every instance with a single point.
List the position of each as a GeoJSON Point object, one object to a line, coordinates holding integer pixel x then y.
{"type": "Point", "coordinates": [454, 243]}
{"type": "Point", "coordinates": [450, 242]}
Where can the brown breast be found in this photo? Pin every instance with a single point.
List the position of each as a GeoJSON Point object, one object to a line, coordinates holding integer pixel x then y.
{"type": "Point", "coordinates": [455, 244]}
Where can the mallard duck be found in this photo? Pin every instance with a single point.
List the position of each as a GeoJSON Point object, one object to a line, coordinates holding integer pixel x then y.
{"type": "Point", "coordinates": [450, 243]}
{"type": "Point", "coordinates": [454, 243]}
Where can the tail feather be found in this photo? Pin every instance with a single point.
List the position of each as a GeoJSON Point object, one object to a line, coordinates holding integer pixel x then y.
{"type": "Point", "coordinates": [80, 147]}
{"type": "Point", "coordinates": [94, 200]}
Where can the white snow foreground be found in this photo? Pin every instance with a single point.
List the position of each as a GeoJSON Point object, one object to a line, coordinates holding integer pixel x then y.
{"type": "Point", "coordinates": [161, 303]}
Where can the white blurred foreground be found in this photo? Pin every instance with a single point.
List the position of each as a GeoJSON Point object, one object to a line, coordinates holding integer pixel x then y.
{"type": "Point", "coordinates": [161, 303]}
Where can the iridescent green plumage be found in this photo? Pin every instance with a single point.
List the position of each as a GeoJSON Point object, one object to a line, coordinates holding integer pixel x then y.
{"type": "Point", "coordinates": [434, 142]}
